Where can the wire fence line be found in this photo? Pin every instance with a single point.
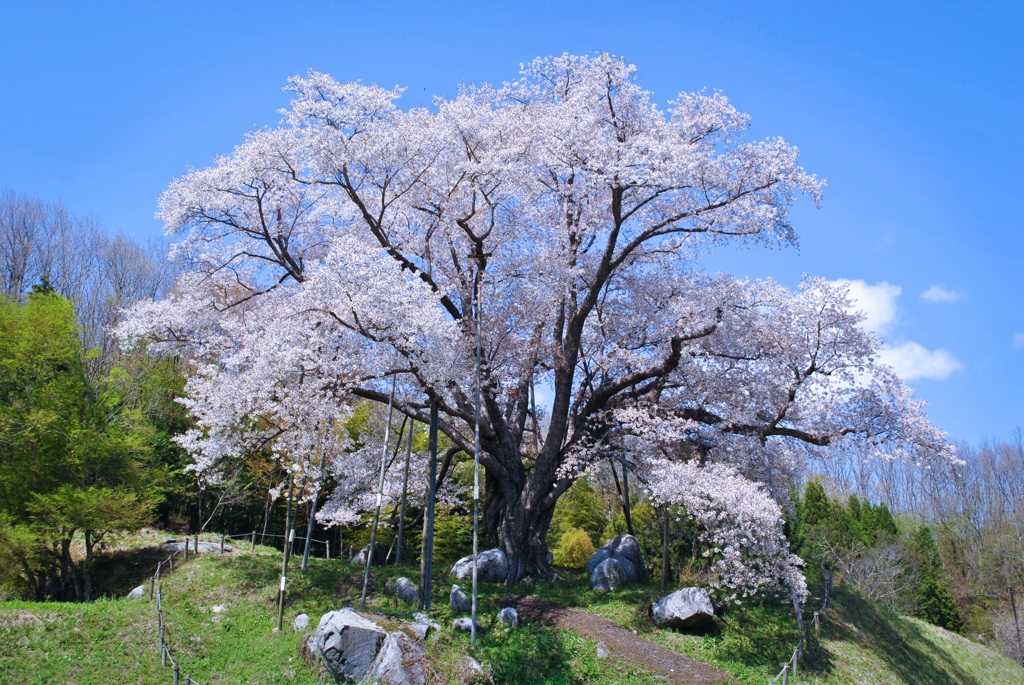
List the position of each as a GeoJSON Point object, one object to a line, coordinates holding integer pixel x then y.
{"type": "Point", "coordinates": [168, 566]}
{"type": "Point", "coordinates": [166, 656]}
{"type": "Point", "coordinates": [811, 630]}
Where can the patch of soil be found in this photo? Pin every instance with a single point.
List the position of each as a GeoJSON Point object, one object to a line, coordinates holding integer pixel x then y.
{"type": "Point", "coordinates": [623, 645]}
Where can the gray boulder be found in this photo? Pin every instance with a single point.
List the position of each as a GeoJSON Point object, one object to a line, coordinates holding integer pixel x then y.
{"type": "Point", "coordinates": [300, 623]}
{"type": "Point", "coordinates": [465, 624]}
{"type": "Point", "coordinates": [347, 644]}
{"type": "Point", "coordinates": [468, 671]}
{"type": "Point", "coordinates": [629, 547]}
{"type": "Point", "coordinates": [407, 590]}
{"type": "Point", "coordinates": [629, 567]}
{"type": "Point", "coordinates": [509, 616]}
{"type": "Point", "coordinates": [422, 626]}
{"type": "Point", "coordinates": [459, 600]}
{"type": "Point", "coordinates": [687, 608]}
{"type": "Point", "coordinates": [597, 557]}
{"type": "Point", "coordinates": [380, 555]}
{"type": "Point", "coordinates": [137, 593]}
{"type": "Point", "coordinates": [401, 661]}
{"type": "Point", "coordinates": [608, 575]}
{"type": "Point", "coordinates": [492, 567]}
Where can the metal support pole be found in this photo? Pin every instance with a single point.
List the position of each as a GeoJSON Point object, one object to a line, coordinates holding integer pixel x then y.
{"type": "Point", "coordinates": [284, 552]}
{"type": "Point", "coordinates": [1016, 619]}
{"type": "Point", "coordinates": [405, 490]}
{"type": "Point", "coordinates": [380, 494]}
{"type": "Point", "coordinates": [476, 461]}
{"type": "Point", "coordinates": [427, 545]}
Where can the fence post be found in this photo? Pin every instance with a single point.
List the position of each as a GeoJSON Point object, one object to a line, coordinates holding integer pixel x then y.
{"type": "Point", "coordinates": [253, 546]}
{"type": "Point", "coordinates": [186, 548]}
{"type": "Point", "coordinates": [222, 544]}
{"type": "Point", "coordinates": [197, 544]}
{"type": "Point", "coordinates": [328, 543]}
{"type": "Point", "coordinates": [163, 647]}
{"type": "Point", "coordinates": [785, 675]}
{"type": "Point", "coordinates": [152, 581]}
{"type": "Point", "coordinates": [177, 673]}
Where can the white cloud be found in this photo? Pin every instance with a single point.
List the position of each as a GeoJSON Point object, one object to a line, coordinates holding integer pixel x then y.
{"type": "Point", "coordinates": [938, 293]}
{"type": "Point", "coordinates": [877, 301]}
{"type": "Point", "coordinates": [1018, 340]}
{"type": "Point", "coordinates": [913, 361]}
{"type": "Point", "coordinates": [880, 304]}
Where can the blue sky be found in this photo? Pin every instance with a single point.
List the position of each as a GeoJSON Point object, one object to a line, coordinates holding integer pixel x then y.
{"type": "Point", "coordinates": [911, 111]}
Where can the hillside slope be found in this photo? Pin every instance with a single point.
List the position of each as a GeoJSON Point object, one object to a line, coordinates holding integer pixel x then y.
{"type": "Point", "coordinates": [220, 618]}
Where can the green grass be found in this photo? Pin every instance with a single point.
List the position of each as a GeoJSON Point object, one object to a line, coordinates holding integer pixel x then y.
{"type": "Point", "coordinates": [115, 640]}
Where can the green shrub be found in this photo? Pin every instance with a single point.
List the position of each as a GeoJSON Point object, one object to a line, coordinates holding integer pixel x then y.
{"type": "Point", "coordinates": [580, 507]}
{"type": "Point", "coordinates": [574, 548]}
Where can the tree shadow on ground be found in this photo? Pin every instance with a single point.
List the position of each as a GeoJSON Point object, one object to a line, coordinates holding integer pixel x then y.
{"type": "Point", "coordinates": [900, 644]}
{"type": "Point", "coordinates": [116, 573]}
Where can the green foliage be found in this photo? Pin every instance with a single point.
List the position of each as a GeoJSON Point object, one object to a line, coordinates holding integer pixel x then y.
{"type": "Point", "coordinates": [924, 553]}
{"type": "Point", "coordinates": [74, 460]}
{"type": "Point", "coordinates": [936, 605]}
{"type": "Point", "coordinates": [453, 534]}
{"type": "Point", "coordinates": [574, 548]}
{"type": "Point", "coordinates": [930, 597]}
{"type": "Point", "coordinates": [827, 527]}
{"type": "Point", "coordinates": [580, 507]}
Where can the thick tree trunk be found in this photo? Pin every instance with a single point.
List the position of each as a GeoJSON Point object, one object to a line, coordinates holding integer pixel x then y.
{"type": "Point", "coordinates": [518, 520]}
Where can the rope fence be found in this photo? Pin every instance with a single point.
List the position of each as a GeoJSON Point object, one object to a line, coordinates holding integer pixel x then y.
{"type": "Point", "coordinates": [811, 629]}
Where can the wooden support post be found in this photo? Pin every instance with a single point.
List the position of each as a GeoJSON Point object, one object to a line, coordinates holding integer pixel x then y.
{"type": "Point", "coordinates": [1016, 619]}
{"type": "Point", "coordinates": [253, 546]}
{"type": "Point", "coordinates": [152, 582]}
{"type": "Point", "coordinates": [197, 544]}
{"type": "Point", "coordinates": [163, 647]}
{"type": "Point", "coordinates": [222, 544]}
{"type": "Point", "coordinates": [817, 626]}
{"type": "Point", "coordinates": [177, 674]}
{"type": "Point", "coordinates": [785, 675]}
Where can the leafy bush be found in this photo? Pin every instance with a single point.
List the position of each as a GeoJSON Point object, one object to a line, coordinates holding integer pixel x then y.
{"type": "Point", "coordinates": [580, 507]}
{"type": "Point", "coordinates": [574, 548]}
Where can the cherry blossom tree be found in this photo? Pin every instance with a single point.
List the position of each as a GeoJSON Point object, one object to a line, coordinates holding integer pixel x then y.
{"type": "Point", "coordinates": [352, 243]}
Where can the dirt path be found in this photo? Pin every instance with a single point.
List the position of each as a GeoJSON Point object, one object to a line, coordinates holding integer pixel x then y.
{"type": "Point", "coordinates": [622, 644]}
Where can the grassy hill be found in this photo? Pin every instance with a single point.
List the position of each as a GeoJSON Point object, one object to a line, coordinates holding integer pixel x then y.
{"type": "Point", "coordinates": [220, 618]}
